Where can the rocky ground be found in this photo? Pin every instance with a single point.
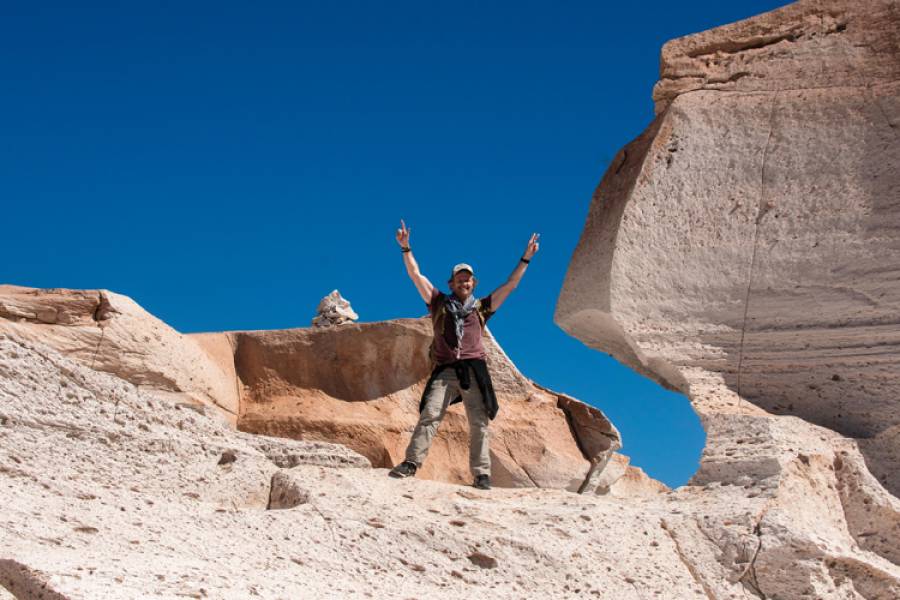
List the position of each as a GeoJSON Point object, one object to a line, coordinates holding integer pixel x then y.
{"type": "Point", "coordinates": [110, 492]}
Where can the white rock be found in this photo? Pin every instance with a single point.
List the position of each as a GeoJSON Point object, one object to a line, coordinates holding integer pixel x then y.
{"type": "Point", "coordinates": [334, 310]}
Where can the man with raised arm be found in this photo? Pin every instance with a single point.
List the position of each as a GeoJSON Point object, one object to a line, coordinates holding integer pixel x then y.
{"type": "Point", "coordinates": [457, 353]}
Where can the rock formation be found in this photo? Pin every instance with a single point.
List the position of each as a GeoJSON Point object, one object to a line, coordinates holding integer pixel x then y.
{"type": "Point", "coordinates": [744, 251]}
{"type": "Point", "coordinates": [333, 309]}
{"type": "Point", "coordinates": [358, 385]}
{"type": "Point", "coordinates": [118, 482]}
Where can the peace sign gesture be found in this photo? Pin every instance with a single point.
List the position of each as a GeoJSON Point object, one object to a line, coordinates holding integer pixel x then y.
{"type": "Point", "coordinates": [403, 235]}
{"type": "Point", "coordinates": [532, 247]}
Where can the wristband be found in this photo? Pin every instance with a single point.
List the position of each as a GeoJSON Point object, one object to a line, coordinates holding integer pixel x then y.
{"type": "Point", "coordinates": [525, 260]}
{"type": "Point", "coordinates": [407, 249]}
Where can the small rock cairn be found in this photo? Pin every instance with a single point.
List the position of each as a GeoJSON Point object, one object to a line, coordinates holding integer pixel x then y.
{"type": "Point", "coordinates": [334, 310]}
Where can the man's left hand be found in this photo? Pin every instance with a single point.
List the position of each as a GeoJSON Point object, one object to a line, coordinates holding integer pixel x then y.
{"type": "Point", "coordinates": [532, 247]}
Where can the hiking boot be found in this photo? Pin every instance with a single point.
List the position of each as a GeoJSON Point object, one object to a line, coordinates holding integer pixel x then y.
{"type": "Point", "coordinates": [483, 482]}
{"type": "Point", "coordinates": [404, 469]}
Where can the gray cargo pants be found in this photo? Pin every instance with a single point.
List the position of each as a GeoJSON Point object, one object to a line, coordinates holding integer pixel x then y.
{"type": "Point", "coordinates": [444, 389]}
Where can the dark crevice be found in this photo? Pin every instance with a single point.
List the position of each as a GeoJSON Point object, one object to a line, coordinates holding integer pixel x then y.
{"type": "Point", "coordinates": [705, 533]}
{"type": "Point", "coordinates": [750, 569]}
{"type": "Point", "coordinates": [101, 308]}
{"type": "Point", "coordinates": [763, 209]}
{"type": "Point", "coordinates": [732, 78]}
{"type": "Point", "coordinates": [97, 348]}
{"type": "Point", "coordinates": [238, 383]}
{"type": "Point", "coordinates": [530, 477]}
{"type": "Point", "coordinates": [736, 46]}
{"type": "Point", "coordinates": [572, 430]}
{"type": "Point", "coordinates": [272, 490]}
{"type": "Point", "coordinates": [710, 594]}
{"type": "Point", "coordinates": [668, 97]}
{"type": "Point", "coordinates": [597, 460]}
{"type": "Point", "coordinates": [101, 314]}
{"type": "Point", "coordinates": [748, 576]}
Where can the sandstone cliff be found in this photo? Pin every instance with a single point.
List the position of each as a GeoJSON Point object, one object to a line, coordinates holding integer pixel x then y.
{"type": "Point", "coordinates": [744, 250]}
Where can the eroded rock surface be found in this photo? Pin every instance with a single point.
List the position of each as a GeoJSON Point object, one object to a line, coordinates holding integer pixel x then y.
{"type": "Point", "coordinates": [744, 250]}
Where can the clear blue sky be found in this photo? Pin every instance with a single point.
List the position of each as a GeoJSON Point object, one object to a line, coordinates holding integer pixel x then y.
{"type": "Point", "coordinates": [227, 165]}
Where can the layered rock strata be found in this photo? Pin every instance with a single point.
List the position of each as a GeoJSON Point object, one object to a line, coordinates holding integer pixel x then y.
{"type": "Point", "coordinates": [744, 251]}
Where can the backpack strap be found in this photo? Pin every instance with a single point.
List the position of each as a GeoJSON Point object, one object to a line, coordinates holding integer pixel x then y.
{"type": "Point", "coordinates": [481, 317]}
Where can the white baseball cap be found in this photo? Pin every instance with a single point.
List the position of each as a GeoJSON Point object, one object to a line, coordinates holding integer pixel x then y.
{"type": "Point", "coordinates": [462, 267]}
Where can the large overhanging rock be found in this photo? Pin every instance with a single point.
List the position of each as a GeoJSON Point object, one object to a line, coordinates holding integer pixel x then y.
{"type": "Point", "coordinates": [754, 235]}
{"type": "Point", "coordinates": [744, 250]}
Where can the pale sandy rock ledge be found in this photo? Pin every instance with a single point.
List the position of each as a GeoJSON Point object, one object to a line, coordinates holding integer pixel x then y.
{"type": "Point", "coordinates": [744, 251]}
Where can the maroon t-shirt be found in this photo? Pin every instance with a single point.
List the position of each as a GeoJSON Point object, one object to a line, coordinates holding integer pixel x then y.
{"type": "Point", "coordinates": [444, 344]}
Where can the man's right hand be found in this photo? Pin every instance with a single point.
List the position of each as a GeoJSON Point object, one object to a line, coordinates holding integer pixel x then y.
{"type": "Point", "coordinates": [412, 267]}
{"type": "Point", "coordinates": [403, 235]}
